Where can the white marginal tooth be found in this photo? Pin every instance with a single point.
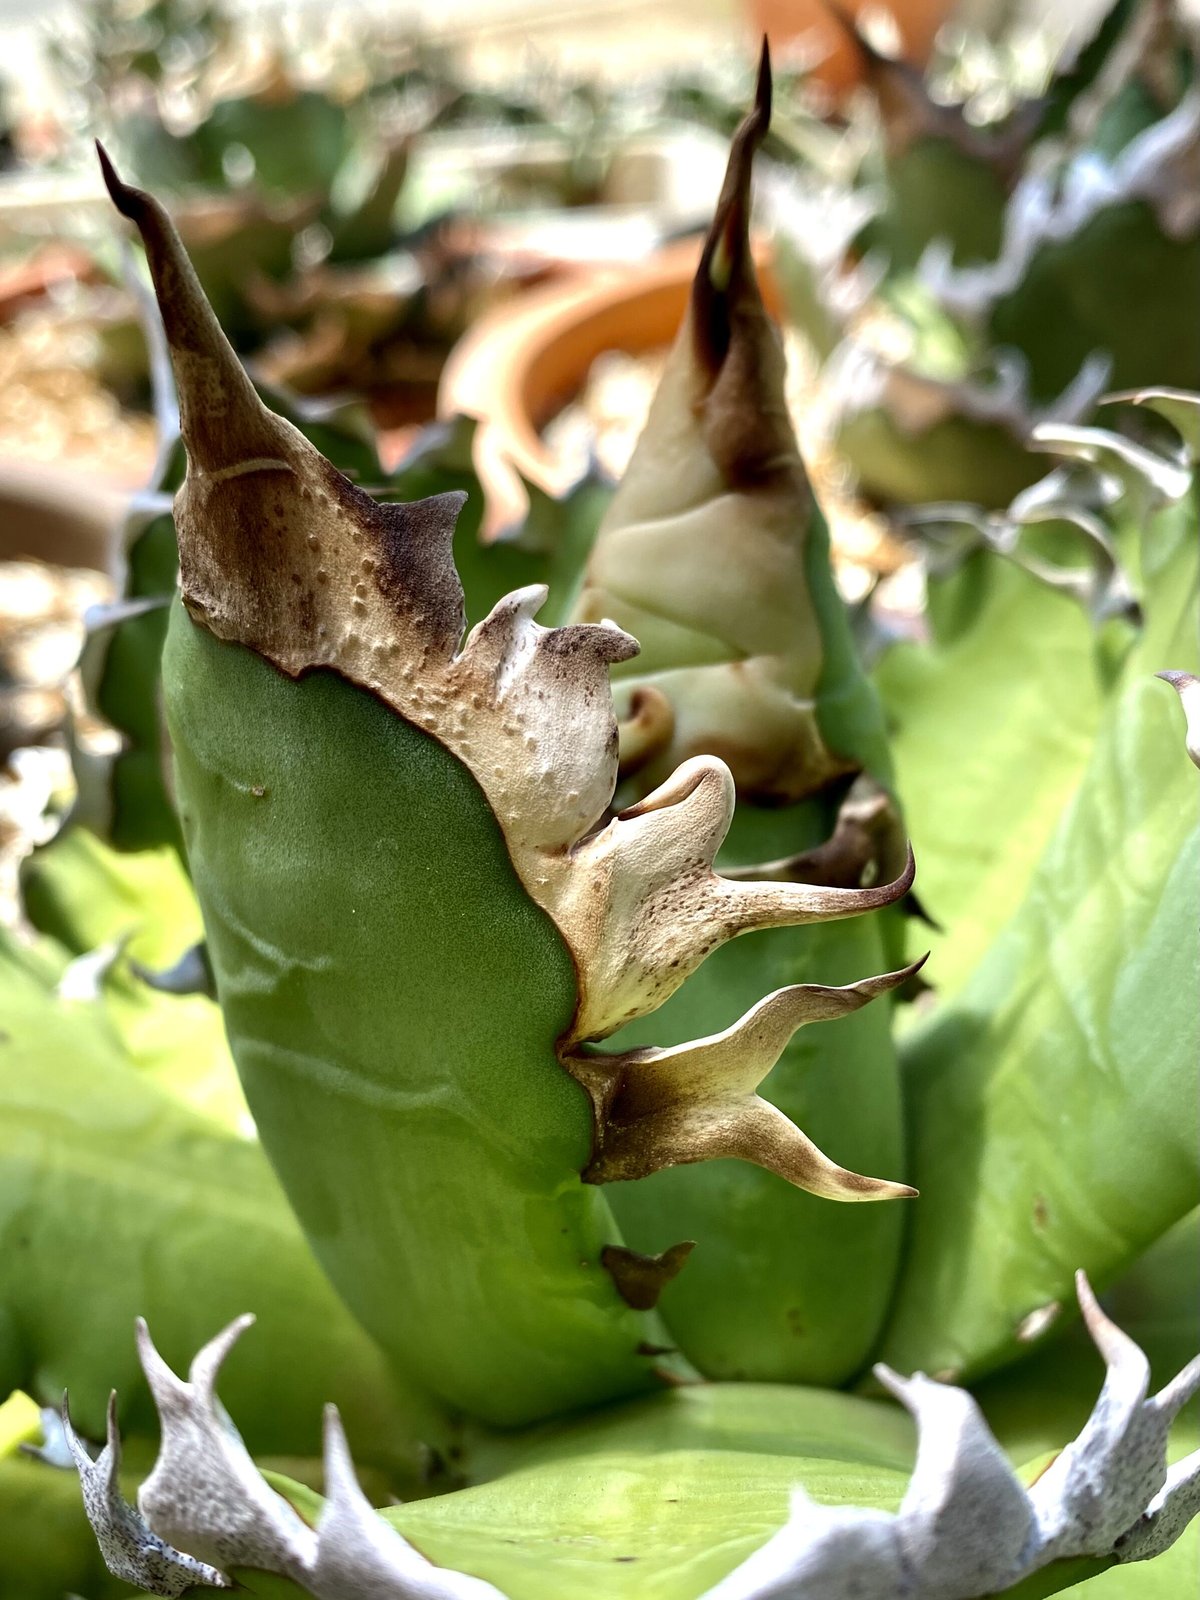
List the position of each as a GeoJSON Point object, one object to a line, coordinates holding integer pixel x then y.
{"type": "Point", "coordinates": [1187, 686]}
{"type": "Point", "coordinates": [965, 1521]}
{"type": "Point", "coordinates": [360, 1557]}
{"type": "Point", "coordinates": [1101, 1483]}
{"type": "Point", "coordinates": [526, 602]}
{"type": "Point", "coordinates": [100, 618]}
{"type": "Point", "coordinates": [511, 618]}
{"type": "Point", "coordinates": [1172, 1397]}
{"type": "Point", "coordinates": [1167, 1515]}
{"type": "Point", "coordinates": [1127, 1380]}
{"type": "Point", "coordinates": [166, 1386]}
{"type": "Point", "coordinates": [1180, 407]}
{"type": "Point", "coordinates": [834, 1552]}
{"type": "Point", "coordinates": [207, 1363]}
{"type": "Point", "coordinates": [131, 1551]}
{"type": "Point", "coordinates": [83, 978]}
{"type": "Point", "coordinates": [204, 1493]}
{"type": "Point", "coordinates": [1135, 466]}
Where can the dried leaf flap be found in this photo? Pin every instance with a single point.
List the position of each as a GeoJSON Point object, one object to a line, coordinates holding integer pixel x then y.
{"type": "Point", "coordinates": [280, 553]}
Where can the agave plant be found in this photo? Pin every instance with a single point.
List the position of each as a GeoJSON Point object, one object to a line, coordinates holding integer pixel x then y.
{"type": "Point", "coordinates": [593, 1315]}
{"type": "Point", "coordinates": [1009, 271]}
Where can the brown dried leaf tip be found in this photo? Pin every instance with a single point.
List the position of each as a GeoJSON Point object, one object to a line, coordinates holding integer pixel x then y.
{"type": "Point", "coordinates": [726, 269]}
{"type": "Point", "coordinates": [281, 554]}
{"type": "Point", "coordinates": [703, 553]}
{"type": "Point", "coordinates": [745, 419]}
{"type": "Point", "coordinates": [666, 1107]}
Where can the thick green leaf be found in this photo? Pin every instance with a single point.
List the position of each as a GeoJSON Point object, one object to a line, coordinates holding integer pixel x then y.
{"type": "Point", "coordinates": [655, 1500]}
{"type": "Point", "coordinates": [47, 1547]}
{"type": "Point", "coordinates": [393, 997]}
{"type": "Point", "coordinates": [85, 895]}
{"type": "Point", "coordinates": [659, 1500]}
{"type": "Point", "coordinates": [1066, 304]}
{"type": "Point", "coordinates": [988, 748]}
{"type": "Point", "coordinates": [298, 139]}
{"type": "Point", "coordinates": [117, 1202]}
{"type": "Point", "coordinates": [958, 457]}
{"type": "Point", "coordinates": [938, 191]}
{"type": "Point", "coordinates": [1052, 1102]}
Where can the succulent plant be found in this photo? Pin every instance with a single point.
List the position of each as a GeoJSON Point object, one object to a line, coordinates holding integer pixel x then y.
{"type": "Point", "coordinates": [1018, 266]}
{"type": "Point", "coordinates": [747, 655]}
{"type": "Point", "coordinates": [462, 899]}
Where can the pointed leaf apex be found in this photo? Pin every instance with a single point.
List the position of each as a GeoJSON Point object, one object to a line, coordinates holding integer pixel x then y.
{"type": "Point", "coordinates": [726, 271]}
{"type": "Point", "coordinates": [206, 1365]}
{"type": "Point", "coordinates": [764, 88]}
{"type": "Point", "coordinates": [122, 196]}
{"type": "Point", "coordinates": [1187, 687]}
{"type": "Point", "coordinates": [1116, 1348]}
{"type": "Point", "coordinates": [223, 422]}
{"type": "Point", "coordinates": [657, 1108]}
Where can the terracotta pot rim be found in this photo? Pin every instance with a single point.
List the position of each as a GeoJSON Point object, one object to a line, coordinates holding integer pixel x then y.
{"type": "Point", "coordinates": [59, 516]}
{"type": "Point", "coordinates": [522, 361]}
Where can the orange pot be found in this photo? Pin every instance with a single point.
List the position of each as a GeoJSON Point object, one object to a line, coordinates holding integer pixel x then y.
{"type": "Point", "coordinates": [64, 517]}
{"type": "Point", "coordinates": [521, 363]}
{"type": "Point", "coordinates": [31, 280]}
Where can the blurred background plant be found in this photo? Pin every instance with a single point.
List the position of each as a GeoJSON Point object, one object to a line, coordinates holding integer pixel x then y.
{"type": "Point", "coordinates": [1017, 235]}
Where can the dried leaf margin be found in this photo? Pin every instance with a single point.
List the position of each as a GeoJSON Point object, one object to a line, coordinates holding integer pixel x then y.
{"type": "Point", "coordinates": [280, 553]}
